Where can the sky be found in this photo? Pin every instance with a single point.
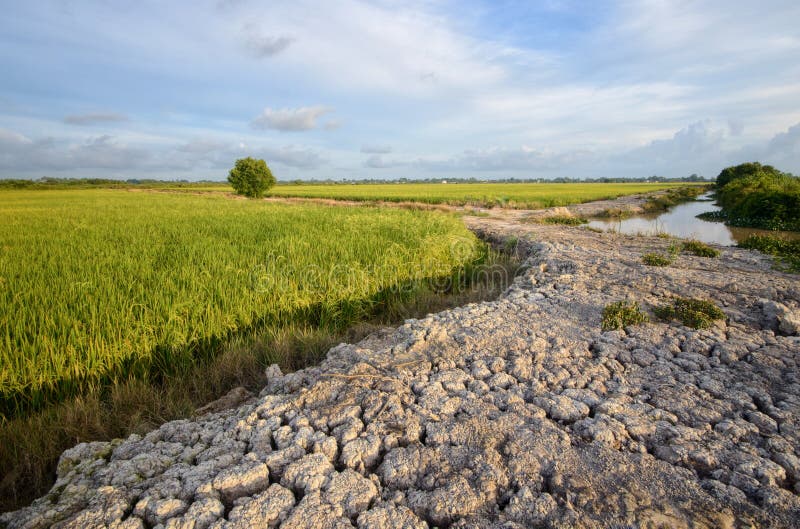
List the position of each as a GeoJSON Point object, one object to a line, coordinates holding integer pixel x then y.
{"type": "Point", "coordinates": [353, 89]}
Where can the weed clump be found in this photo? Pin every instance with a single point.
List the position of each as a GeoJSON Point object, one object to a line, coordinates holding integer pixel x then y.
{"type": "Point", "coordinates": [657, 259]}
{"type": "Point", "coordinates": [787, 252]}
{"type": "Point", "coordinates": [621, 314]}
{"type": "Point", "coordinates": [510, 244]}
{"type": "Point", "coordinates": [695, 313]}
{"type": "Point", "coordinates": [615, 213]}
{"type": "Point", "coordinates": [566, 220]}
{"type": "Point", "coordinates": [700, 249]}
{"type": "Point", "coordinates": [672, 197]}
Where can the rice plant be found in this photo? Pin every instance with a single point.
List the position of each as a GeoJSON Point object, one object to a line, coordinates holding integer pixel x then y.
{"type": "Point", "coordinates": [99, 286]}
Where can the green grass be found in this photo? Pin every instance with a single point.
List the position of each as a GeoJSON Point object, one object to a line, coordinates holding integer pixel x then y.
{"type": "Point", "coordinates": [657, 259]}
{"type": "Point", "coordinates": [672, 198]}
{"type": "Point", "coordinates": [564, 219]}
{"type": "Point", "coordinates": [101, 286]}
{"type": "Point", "coordinates": [695, 313]}
{"type": "Point", "coordinates": [787, 252]}
{"type": "Point", "coordinates": [621, 314]}
{"type": "Point", "coordinates": [700, 249]}
{"type": "Point", "coordinates": [483, 194]}
{"type": "Point", "coordinates": [30, 445]}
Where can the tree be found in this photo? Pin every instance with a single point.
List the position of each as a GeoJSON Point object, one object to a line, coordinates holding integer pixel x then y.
{"type": "Point", "coordinates": [743, 171]}
{"type": "Point", "coordinates": [251, 177]}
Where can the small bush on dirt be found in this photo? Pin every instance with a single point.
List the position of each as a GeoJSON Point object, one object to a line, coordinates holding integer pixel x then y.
{"type": "Point", "coordinates": [567, 220]}
{"type": "Point", "coordinates": [700, 249]}
{"type": "Point", "coordinates": [621, 314]}
{"type": "Point", "coordinates": [657, 259]}
{"type": "Point", "coordinates": [695, 313]}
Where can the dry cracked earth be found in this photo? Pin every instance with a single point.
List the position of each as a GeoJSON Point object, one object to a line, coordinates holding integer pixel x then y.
{"type": "Point", "coordinates": [515, 413]}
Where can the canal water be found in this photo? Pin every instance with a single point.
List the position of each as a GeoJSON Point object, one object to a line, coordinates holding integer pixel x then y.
{"type": "Point", "coordinates": [681, 221]}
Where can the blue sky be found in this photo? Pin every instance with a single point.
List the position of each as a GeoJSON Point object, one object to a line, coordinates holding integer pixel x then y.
{"type": "Point", "coordinates": [388, 89]}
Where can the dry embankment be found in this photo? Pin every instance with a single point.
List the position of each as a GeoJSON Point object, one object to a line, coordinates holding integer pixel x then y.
{"type": "Point", "coordinates": [514, 413]}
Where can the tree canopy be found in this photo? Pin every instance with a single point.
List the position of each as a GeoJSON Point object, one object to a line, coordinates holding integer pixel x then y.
{"type": "Point", "coordinates": [251, 177]}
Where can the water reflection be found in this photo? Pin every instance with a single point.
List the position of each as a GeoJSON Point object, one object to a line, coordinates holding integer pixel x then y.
{"type": "Point", "coordinates": [681, 221]}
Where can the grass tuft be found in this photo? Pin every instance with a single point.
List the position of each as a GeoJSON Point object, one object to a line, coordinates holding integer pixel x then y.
{"type": "Point", "coordinates": [566, 220]}
{"type": "Point", "coordinates": [621, 314]}
{"type": "Point", "coordinates": [695, 313]}
{"type": "Point", "coordinates": [700, 249]}
{"type": "Point", "coordinates": [657, 259]}
{"type": "Point", "coordinates": [616, 213]}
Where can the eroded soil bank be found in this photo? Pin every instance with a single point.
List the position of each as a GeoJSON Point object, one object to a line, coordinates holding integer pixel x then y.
{"type": "Point", "coordinates": [515, 413]}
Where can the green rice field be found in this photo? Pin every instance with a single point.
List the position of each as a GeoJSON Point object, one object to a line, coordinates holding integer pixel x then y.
{"type": "Point", "coordinates": [98, 285]}
{"type": "Point", "coordinates": [529, 195]}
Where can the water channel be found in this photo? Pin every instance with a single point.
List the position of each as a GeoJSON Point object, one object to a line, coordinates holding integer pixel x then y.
{"type": "Point", "coordinates": [681, 221]}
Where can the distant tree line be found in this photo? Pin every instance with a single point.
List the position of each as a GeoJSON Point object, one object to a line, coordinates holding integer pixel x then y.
{"type": "Point", "coordinates": [559, 180]}
{"type": "Point", "coordinates": [48, 182]}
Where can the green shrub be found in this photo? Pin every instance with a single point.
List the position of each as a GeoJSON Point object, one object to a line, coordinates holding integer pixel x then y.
{"type": "Point", "coordinates": [621, 314]}
{"type": "Point", "coordinates": [759, 196]}
{"type": "Point", "coordinates": [695, 313]}
{"type": "Point", "coordinates": [657, 259]}
{"type": "Point", "coordinates": [564, 219]}
{"type": "Point", "coordinates": [744, 170]}
{"type": "Point", "coordinates": [700, 249]}
{"type": "Point", "coordinates": [251, 177]}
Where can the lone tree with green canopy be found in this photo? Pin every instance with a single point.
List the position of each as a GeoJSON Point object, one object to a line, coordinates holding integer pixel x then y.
{"type": "Point", "coordinates": [251, 177]}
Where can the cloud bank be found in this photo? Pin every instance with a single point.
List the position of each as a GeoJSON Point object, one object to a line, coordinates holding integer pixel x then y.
{"type": "Point", "coordinates": [475, 89]}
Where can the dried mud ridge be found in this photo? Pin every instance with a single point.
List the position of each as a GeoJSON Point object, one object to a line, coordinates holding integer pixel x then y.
{"type": "Point", "coordinates": [513, 413]}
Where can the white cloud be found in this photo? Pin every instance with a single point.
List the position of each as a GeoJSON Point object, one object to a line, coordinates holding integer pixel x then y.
{"type": "Point", "coordinates": [102, 152]}
{"type": "Point", "coordinates": [406, 48]}
{"type": "Point", "coordinates": [111, 156]}
{"type": "Point", "coordinates": [11, 138]}
{"type": "Point", "coordinates": [703, 147]}
{"type": "Point", "coordinates": [290, 119]}
{"type": "Point", "coordinates": [450, 85]}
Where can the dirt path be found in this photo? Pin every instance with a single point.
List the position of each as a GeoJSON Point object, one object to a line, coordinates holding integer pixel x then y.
{"type": "Point", "coordinates": [515, 413]}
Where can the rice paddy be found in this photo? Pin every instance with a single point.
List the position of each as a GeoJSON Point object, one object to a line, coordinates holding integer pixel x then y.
{"type": "Point", "coordinates": [99, 286]}
{"type": "Point", "coordinates": [517, 195]}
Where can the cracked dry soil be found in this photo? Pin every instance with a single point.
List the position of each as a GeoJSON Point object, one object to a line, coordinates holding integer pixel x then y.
{"type": "Point", "coordinates": [515, 413]}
